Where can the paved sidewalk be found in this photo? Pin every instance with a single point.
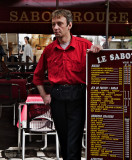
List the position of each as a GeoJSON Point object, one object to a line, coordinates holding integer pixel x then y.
{"type": "Point", "coordinates": [31, 154]}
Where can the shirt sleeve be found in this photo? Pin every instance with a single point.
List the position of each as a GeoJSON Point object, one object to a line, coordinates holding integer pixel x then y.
{"type": "Point", "coordinates": [89, 44]}
{"type": "Point", "coordinates": [41, 67]}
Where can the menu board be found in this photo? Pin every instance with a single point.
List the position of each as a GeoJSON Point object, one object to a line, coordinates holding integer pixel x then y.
{"type": "Point", "coordinates": [109, 105]}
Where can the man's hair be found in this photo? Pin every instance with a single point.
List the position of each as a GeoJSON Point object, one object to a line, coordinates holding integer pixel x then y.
{"type": "Point", "coordinates": [63, 12]}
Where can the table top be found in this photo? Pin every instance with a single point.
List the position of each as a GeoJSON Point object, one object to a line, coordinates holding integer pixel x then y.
{"type": "Point", "coordinates": [34, 99]}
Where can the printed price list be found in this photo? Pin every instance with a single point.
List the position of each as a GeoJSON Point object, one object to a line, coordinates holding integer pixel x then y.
{"type": "Point", "coordinates": [109, 109]}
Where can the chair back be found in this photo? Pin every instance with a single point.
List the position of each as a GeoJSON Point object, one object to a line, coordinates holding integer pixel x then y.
{"type": "Point", "coordinates": [40, 118]}
{"type": "Point", "coordinates": [6, 93]}
{"type": "Point", "coordinates": [39, 110]}
{"type": "Point", "coordinates": [35, 114]}
{"type": "Point", "coordinates": [19, 90]}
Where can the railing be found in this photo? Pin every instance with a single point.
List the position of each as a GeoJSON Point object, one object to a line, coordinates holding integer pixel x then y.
{"type": "Point", "coordinates": [19, 61]}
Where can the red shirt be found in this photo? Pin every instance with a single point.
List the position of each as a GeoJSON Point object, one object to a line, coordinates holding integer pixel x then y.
{"type": "Point", "coordinates": [64, 66]}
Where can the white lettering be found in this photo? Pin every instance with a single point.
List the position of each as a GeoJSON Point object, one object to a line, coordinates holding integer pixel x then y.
{"type": "Point", "coordinates": [111, 57]}
{"type": "Point", "coordinates": [101, 59]}
{"type": "Point", "coordinates": [120, 56]}
{"type": "Point", "coordinates": [128, 55]}
{"type": "Point", "coordinates": [117, 57]}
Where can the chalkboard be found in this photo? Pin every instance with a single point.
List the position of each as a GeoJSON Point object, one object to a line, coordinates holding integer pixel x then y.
{"type": "Point", "coordinates": [109, 105]}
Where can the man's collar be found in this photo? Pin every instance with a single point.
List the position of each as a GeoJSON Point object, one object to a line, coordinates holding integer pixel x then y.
{"type": "Point", "coordinates": [72, 43]}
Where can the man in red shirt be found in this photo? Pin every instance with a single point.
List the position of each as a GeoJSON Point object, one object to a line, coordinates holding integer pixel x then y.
{"type": "Point", "coordinates": [65, 59]}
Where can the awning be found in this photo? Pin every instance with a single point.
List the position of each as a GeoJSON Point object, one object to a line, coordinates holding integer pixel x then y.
{"type": "Point", "coordinates": [67, 3]}
{"type": "Point", "coordinates": [89, 16]}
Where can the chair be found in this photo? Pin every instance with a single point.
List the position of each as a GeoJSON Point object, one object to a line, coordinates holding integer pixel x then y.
{"type": "Point", "coordinates": [40, 125]}
{"type": "Point", "coordinates": [7, 98]}
{"type": "Point", "coordinates": [84, 139]}
{"type": "Point", "coordinates": [13, 67]}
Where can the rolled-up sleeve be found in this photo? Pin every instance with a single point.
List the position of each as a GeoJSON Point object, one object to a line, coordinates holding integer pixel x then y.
{"type": "Point", "coordinates": [41, 67]}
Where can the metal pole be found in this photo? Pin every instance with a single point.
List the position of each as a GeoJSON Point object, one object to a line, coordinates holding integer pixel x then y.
{"type": "Point", "coordinates": [57, 4]}
{"type": "Point", "coordinates": [86, 101]}
{"type": "Point", "coordinates": [7, 43]}
{"type": "Point", "coordinates": [18, 44]}
{"type": "Point", "coordinates": [107, 22]}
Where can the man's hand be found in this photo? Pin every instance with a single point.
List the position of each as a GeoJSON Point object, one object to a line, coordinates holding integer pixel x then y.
{"type": "Point", "coordinates": [47, 99]}
{"type": "Point", "coordinates": [95, 49]}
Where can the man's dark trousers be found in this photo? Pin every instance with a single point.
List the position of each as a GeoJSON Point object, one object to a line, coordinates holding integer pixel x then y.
{"type": "Point", "coordinates": [69, 119]}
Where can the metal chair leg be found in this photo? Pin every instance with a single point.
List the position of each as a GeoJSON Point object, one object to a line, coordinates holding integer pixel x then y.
{"type": "Point", "coordinates": [83, 141]}
{"type": "Point", "coordinates": [57, 146]}
{"type": "Point", "coordinates": [23, 144]}
{"type": "Point", "coordinates": [19, 128]}
{"type": "Point", "coordinates": [45, 141]}
{"type": "Point", "coordinates": [14, 114]}
{"type": "Point", "coordinates": [30, 137]}
{"type": "Point", "coordinates": [41, 140]}
{"type": "Point", "coordinates": [19, 140]}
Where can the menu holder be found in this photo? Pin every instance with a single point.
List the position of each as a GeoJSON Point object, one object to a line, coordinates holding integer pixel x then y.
{"type": "Point", "coordinates": [109, 105]}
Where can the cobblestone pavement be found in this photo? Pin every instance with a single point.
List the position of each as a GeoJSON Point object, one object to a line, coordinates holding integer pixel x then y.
{"type": "Point", "coordinates": [8, 142]}
{"type": "Point", "coordinates": [31, 154]}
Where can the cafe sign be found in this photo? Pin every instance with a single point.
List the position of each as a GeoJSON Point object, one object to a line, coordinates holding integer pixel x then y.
{"type": "Point", "coordinates": [86, 21]}
{"type": "Point", "coordinates": [86, 17]}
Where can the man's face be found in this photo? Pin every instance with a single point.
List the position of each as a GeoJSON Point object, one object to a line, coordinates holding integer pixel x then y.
{"type": "Point", "coordinates": [0, 42]}
{"type": "Point", "coordinates": [60, 27]}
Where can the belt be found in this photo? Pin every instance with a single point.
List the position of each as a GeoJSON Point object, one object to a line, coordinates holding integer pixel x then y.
{"type": "Point", "coordinates": [68, 91]}
{"type": "Point", "coordinates": [69, 85]}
